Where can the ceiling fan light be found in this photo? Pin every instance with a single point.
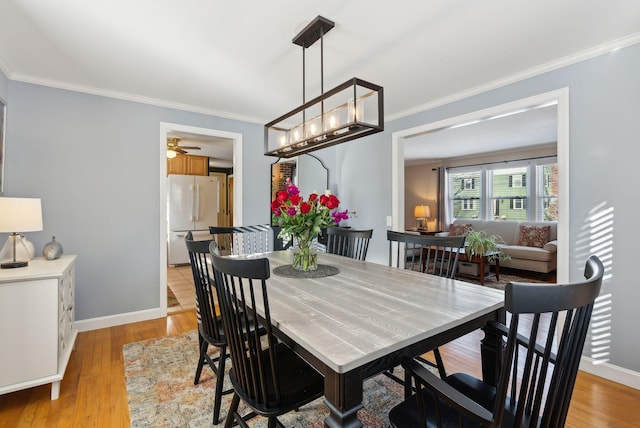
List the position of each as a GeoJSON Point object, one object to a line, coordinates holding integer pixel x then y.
{"type": "Point", "coordinates": [171, 154]}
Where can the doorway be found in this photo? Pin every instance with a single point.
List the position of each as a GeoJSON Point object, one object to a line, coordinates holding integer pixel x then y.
{"type": "Point", "coordinates": [561, 97]}
{"type": "Point", "coordinates": [165, 130]}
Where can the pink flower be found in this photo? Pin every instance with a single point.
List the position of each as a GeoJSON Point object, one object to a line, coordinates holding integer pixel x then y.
{"type": "Point", "coordinates": [338, 216]}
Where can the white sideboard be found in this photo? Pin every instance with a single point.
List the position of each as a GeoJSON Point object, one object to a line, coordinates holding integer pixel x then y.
{"type": "Point", "coordinates": [37, 333]}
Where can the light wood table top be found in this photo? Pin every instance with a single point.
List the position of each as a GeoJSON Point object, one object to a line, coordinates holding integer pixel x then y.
{"type": "Point", "coordinates": [367, 318]}
{"type": "Point", "coordinates": [368, 310]}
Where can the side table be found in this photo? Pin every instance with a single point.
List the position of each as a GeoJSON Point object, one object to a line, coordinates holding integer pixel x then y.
{"type": "Point", "coordinates": [37, 316]}
{"type": "Point", "coordinates": [481, 261]}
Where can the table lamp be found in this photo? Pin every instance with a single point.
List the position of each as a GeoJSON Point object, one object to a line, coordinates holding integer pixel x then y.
{"type": "Point", "coordinates": [19, 215]}
{"type": "Point", "coordinates": [421, 213]}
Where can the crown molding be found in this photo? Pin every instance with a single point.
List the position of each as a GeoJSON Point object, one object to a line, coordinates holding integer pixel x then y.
{"type": "Point", "coordinates": [606, 48]}
{"type": "Point", "coordinates": [132, 97]}
{"type": "Point", "coordinates": [610, 47]}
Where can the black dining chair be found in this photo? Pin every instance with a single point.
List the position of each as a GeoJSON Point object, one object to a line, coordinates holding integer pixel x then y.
{"type": "Point", "coordinates": [266, 374]}
{"type": "Point", "coordinates": [348, 242]}
{"type": "Point", "coordinates": [435, 255]}
{"type": "Point", "coordinates": [239, 240]}
{"type": "Point", "coordinates": [537, 370]}
{"type": "Point", "coordinates": [210, 327]}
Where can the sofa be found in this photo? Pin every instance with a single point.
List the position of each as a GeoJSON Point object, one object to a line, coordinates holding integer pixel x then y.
{"type": "Point", "coordinates": [530, 245]}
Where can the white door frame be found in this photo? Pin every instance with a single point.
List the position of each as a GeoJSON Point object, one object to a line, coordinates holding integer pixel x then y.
{"type": "Point", "coordinates": [165, 129]}
{"type": "Point", "coordinates": [561, 96]}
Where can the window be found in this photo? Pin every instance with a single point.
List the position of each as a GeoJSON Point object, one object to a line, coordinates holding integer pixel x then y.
{"type": "Point", "coordinates": [468, 204]}
{"type": "Point", "coordinates": [468, 183]}
{"type": "Point", "coordinates": [517, 180]}
{"type": "Point", "coordinates": [548, 192]}
{"type": "Point", "coordinates": [465, 193]}
{"type": "Point", "coordinates": [517, 204]}
{"type": "Point", "coordinates": [508, 192]}
{"type": "Point", "coordinates": [523, 190]}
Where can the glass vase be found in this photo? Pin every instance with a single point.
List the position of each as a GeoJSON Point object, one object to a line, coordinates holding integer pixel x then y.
{"type": "Point", "coordinates": [305, 258]}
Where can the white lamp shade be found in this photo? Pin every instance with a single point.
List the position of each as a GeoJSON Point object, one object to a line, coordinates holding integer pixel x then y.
{"type": "Point", "coordinates": [421, 211]}
{"type": "Point", "coordinates": [20, 215]}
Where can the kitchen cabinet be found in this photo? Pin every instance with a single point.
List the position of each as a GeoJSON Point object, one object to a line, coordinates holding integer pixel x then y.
{"type": "Point", "coordinates": [188, 165]}
{"type": "Point", "coordinates": [37, 330]}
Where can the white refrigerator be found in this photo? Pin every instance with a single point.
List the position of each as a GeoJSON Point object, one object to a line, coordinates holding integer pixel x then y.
{"type": "Point", "coordinates": [192, 205]}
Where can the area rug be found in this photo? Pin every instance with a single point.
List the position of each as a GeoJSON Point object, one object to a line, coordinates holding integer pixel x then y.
{"type": "Point", "coordinates": [511, 275]}
{"type": "Point", "coordinates": [160, 391]}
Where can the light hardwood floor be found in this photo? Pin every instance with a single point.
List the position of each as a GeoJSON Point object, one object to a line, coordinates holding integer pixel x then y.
{"type": "Point", "coordinates": [93, 392]}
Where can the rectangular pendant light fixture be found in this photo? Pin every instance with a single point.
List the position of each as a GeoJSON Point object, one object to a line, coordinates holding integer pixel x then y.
{"type": "Point", "coordinates": [349, 111]}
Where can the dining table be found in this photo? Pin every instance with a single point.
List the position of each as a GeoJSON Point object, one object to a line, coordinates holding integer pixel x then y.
{"type": "Point", "coordinates": [366, 318]}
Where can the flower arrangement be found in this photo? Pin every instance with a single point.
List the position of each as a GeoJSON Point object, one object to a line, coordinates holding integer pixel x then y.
{"type": "Point", "coordinates": [304, 220]}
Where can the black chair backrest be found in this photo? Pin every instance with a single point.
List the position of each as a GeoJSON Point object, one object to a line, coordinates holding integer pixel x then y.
{"type": "Point", "coordinates": [348, 242]}
{"type": "Point", "coordinates": [239, 240]}
{"type": "Point", "coordinates": [541, 376]}
{"type": "Point", "coordinates": [209, 323]}
{"type": "Point", "coordinates": [242, 288]}
{"type": "Point", "coordinates": [436, 255]}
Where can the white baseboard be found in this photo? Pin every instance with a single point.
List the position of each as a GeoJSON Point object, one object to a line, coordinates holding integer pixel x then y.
{"type": "Point", "coordinates": [610, 372]}
{"type": "Point", "coordinates": [119, 319]}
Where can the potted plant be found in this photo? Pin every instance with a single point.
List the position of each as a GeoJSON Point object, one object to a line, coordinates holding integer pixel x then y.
{"type": "Point", "coordinates": [479, 243]}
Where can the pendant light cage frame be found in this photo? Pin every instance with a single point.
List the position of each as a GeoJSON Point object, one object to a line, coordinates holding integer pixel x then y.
{"type": "Point", "coordinates": [351, 110]}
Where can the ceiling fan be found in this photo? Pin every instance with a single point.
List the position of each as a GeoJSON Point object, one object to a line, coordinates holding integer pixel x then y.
{"type": "Point", "coordinates": [173, 145]}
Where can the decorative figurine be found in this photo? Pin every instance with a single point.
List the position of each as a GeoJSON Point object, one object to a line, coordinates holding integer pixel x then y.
{"type": "Point", "coordinates": [52, 250]}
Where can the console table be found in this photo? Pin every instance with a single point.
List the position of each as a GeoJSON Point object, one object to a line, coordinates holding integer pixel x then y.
{"type": "Point", "coordinates": [36, 323]}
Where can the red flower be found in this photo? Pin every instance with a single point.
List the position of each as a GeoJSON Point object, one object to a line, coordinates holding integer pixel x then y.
{"type": "Point", "coordinates": [313, 197]}
{"type": "Point", "coordinates": [275, 204]}
{"type": "Point", "coordinates": [282, 196]}
{"type": "Point", "coordinates": [305, 208]}
{"type": "Point", "coordinates": [333, 202]}
{"type": "Point", "coordinates": [295, 199]}
{"type": "Point", "coordinates": [323, 200]}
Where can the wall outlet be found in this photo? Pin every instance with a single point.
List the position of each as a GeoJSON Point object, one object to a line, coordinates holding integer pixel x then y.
{"type": "Point", "coordinates": [389, 221]}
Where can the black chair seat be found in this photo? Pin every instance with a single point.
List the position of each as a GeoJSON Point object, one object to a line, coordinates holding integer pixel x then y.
{"type": "Point", "coordinates": [217, 340]}
{"type": "Point", "coordinates": [474, 388]}
{"type": "Point", "coordinates": [406, 414]}
{"type": "Point", "coordinates": [298, 372]}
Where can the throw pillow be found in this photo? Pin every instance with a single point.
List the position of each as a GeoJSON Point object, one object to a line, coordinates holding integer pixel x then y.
{"type": "Point", "coordinates": [533, 236]}
{"type": "Point", "coordinates": [459, 229]}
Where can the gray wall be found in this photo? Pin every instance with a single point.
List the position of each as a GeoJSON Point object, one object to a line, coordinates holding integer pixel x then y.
{"type": "Point", "coordinates": [94, 162]}
{"type": "Point", "coordinates": [604, 99]}
{"type": "Point", "coordinates": [4, 95]}
{"type": "Point", "coordinates": [4, 86]}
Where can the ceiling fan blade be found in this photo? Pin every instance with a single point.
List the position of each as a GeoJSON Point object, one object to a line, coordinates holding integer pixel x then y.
{"type": "Point", "coordinates": [179, 150]}
{"type": "Point", "coordinates": [189, 147]}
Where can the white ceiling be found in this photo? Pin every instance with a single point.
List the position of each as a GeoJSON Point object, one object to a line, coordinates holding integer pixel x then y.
{"type": "Point", "coordinates": [508, 131]}
{"type": "Point", "coordinates": [236, 59]}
